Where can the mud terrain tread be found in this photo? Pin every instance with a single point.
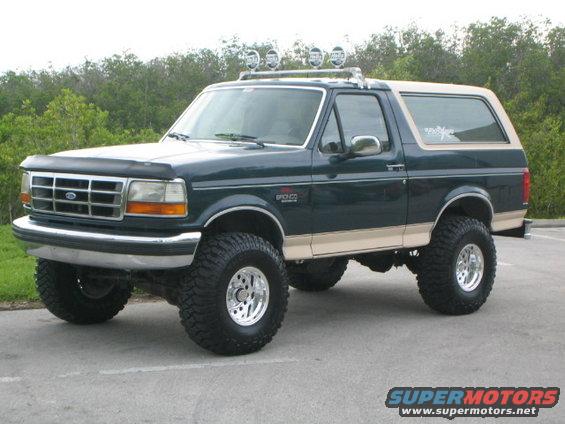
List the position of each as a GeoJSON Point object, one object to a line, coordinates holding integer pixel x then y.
{"type": "Point", "coordinates": [198, 308]}
{"type": "Point", "coordinates": [435, 274]}
{"type": "Point", "coordinates": [58, 290]}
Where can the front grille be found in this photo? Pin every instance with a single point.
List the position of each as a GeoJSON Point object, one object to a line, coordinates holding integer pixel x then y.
{"type": "Point", "coordinates": [78, 195]}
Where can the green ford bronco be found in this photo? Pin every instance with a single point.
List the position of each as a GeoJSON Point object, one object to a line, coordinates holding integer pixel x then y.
{"type": "Point", "coordinates": [279, 179]}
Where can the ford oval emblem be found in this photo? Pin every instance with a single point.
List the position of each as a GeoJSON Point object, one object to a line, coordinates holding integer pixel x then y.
{"type": "Point", "coordinates": [70, 195]}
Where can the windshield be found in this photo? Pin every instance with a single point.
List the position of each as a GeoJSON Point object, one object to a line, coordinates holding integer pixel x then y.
{"type": "Point", "coordinates": [263, 114]}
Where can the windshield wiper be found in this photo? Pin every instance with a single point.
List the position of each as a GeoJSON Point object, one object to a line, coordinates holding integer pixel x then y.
{"type": "Point", "coordinates": [240, 137]}
{"type": "Point", "coordinates": [178, 136]}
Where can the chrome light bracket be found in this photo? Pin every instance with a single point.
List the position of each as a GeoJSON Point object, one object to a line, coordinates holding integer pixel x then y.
{"type": "Point", "coordinates": [353, 74]}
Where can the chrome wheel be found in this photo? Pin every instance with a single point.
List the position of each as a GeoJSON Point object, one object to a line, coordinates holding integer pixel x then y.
{"type": "Point", "coordinates": [470, 267]}
{"type": "Point", "coordinates": [247, 296]}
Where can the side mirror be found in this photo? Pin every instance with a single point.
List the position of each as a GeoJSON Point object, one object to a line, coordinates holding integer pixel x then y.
{"type": "Point", "coordinates": [365, 145]}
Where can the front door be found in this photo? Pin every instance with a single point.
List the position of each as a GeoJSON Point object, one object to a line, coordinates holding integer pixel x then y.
{"type": "Point", "coordinates": [359, 203]}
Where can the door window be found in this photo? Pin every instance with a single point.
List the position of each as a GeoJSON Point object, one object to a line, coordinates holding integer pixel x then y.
{"type": "Point", "coordinates": [362, 115]}
{"type": "Point", "coordinates": [331, 139]}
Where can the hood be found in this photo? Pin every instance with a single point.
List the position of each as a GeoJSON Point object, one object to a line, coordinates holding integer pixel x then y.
{"type": "Point", "coordinates": [165, 152]}
{"type": "Point", "coordinates": [193, 160]}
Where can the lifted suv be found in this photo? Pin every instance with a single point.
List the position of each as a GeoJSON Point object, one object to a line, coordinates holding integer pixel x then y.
{"type": "Point", "coordinates": [276, 180]}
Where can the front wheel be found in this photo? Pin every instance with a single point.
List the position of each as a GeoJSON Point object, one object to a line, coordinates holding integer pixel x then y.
{"type": "Point", "coordinates": [234, 296]}
{"type": "Point", "coordinates": [79, 298]}
{"type": "Point", "coordinates": [456, 270]}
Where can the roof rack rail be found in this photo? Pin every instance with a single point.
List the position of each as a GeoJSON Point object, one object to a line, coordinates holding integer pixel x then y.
{"type": "Point", "coordinates": [353, 74]}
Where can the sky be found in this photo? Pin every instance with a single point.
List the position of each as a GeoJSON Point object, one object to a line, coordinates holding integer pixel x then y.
{"type": "Point", "coordinates": [37, 34]}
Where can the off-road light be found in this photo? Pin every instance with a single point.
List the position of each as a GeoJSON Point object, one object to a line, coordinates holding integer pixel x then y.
{"type": "Point", "coordinates": [157, 198]}
{"type": "Point", "coordinates": [338, 57]}
{"type": "Point", "coordinates": [252, 59]}
{"type": "Point", "coordinates": [316, 57]}
{"type": "Point", "coordinates": [272, 59]}
{"type": "Point", "coordinates": [25, 192]}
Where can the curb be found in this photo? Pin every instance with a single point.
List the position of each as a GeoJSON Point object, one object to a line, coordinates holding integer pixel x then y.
{"type": "Point", "coordinates": [20, 305]}
{"type": "Point", "coordinates": [548, 223]}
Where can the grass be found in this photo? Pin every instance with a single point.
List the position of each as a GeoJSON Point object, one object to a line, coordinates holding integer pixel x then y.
{"type": "Point", "coordinates": [16, 269]}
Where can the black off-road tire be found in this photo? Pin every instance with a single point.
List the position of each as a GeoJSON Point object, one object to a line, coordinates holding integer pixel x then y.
{"type": "Point", "coordinates": [58, 287]}
{"type": "Point", "coordinates": [302, 279]}
{"type": "Point", "coordinates": [202, 296]}
{"type": "Point", "coordinates": [437, 263]}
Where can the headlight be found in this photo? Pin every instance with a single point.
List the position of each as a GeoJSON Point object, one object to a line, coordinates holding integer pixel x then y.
{"type": "Point", "coordinates": [25, 192]}
{"type": "Point", "coordinates": [157, 198]}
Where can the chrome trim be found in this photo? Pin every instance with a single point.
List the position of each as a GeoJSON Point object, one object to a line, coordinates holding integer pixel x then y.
{"type": "Point", "coordinates": [25, 223]}
{"type": "Point", "coordinates": [85, 177]}
{"type": "Point", "coordinates": [247, 296]}
{"type": "Point", "coordinates": [247, 208]}
{"type": "Point", "coordinates": [469, 267]}
{"type": "Point", "coordinates": [460, 196]}
{"type": "Point", "coordinates": [107, 260]}
{"type": "Point", "coordinates": [238, 87]}
{"type": "Point", "coordinates": [124, 193]}
{"type": "Point", "coordinates": [528, 229]}
{"type": "Point", "coordinates": [104, 259]}
{"type": "Point", "coordinates": [355, 74]}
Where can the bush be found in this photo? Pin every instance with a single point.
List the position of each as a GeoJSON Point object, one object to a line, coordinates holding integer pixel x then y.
{"type": "Point", "coordinates": [68, 122]}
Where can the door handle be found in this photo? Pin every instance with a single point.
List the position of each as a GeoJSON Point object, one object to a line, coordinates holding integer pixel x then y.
{"type": "Point", "coordinates": [395, 167]}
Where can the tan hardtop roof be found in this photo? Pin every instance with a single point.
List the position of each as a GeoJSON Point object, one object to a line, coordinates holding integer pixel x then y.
{"type": "Point", "coordinates": [431, 87]}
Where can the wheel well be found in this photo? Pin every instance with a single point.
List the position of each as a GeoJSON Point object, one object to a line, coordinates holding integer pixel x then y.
{"type": "Point", "coordinates": [472, 206]}
{"type": "Point", "coordinates": [248, 221]}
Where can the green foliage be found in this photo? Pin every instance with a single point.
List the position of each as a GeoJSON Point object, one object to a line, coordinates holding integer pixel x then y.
{"type": "Point", "coordinates": [16, 269]}
{"type": "Point", "coordinates": [67, 123]}
{"type": "Point", "coordinates": [122, 99]}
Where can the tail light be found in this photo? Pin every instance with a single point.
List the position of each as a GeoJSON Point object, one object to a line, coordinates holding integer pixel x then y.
{"type": "Point", "coordinates": [526, 184]}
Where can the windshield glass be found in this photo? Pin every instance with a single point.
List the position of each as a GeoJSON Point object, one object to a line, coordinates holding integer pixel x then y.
{"type": "Point", "coordinates": [269, 115]}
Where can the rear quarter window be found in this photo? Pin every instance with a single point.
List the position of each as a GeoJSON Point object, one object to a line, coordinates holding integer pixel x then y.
{"type": "Point", "coordinates": [453, 119]}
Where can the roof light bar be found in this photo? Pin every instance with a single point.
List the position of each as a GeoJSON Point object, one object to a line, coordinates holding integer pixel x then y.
{"type": "Point", "coordinates": [316, 57]}
{"type": "Point", "coordinates": [353, 74]}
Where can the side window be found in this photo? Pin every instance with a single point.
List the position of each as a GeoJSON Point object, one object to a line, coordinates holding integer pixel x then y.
{"type": "Point", "coordinates": [362, 115]}
{"type": "Point", "coordinates": [331, 139]}
{"type": "Point", "coordinates": [450, 119]}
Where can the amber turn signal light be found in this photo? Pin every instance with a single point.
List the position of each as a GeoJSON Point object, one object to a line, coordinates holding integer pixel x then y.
{"type": "Point", "coordinates": [154, 208]}
{"type": "Point", "coordinates": [25, 198]}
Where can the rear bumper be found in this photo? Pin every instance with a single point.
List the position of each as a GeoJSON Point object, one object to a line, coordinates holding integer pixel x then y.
{"type": "Point", "coordinates": [120, 251]}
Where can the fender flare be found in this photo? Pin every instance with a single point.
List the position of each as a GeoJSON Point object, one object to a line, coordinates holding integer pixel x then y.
{"type": "Point", "coordinates": [237, 203]}
{"type": "Point", "coordinates": [462, 192]}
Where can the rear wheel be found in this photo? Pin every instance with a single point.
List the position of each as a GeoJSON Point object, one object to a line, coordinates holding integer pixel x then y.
{"type": "Point", "coordinates": [234, 296]}
{"type": "Point", "coordinates": [77, 298]}
{"type": "Point", "coordinates": [318, 275]}
{"type": "Point", "coordinates": [456, 270]}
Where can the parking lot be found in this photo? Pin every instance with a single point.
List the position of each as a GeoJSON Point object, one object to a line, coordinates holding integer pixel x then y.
{"type": "Point", "coordinates": [334, 360]}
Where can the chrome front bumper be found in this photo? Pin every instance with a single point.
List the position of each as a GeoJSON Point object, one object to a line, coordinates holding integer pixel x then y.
{"type": "Point", "coordinates": [105, 250]}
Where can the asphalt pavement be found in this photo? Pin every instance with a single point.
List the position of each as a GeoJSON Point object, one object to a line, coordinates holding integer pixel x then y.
{"type": "Point", "coordinates": [333, 361]}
